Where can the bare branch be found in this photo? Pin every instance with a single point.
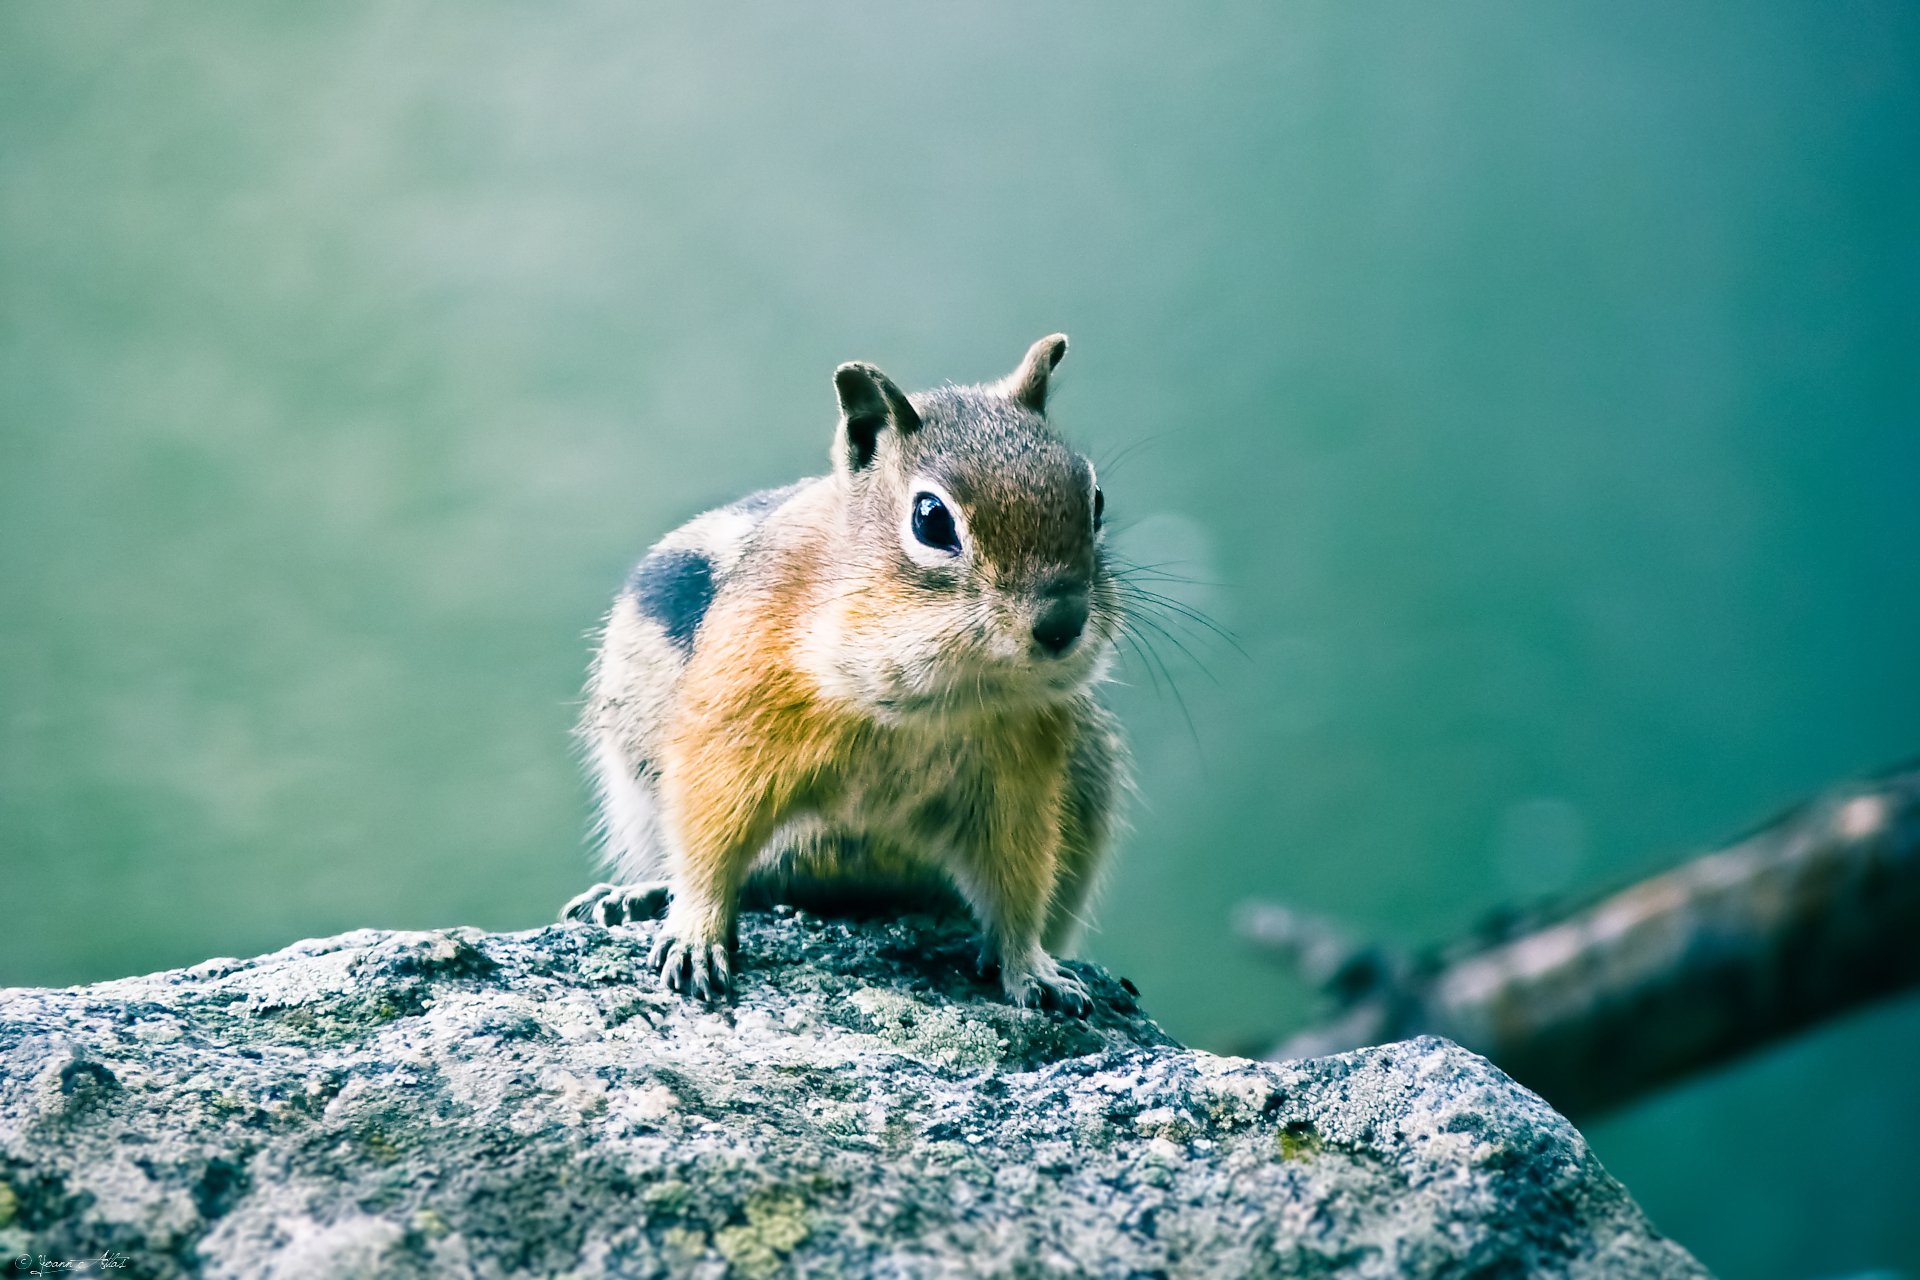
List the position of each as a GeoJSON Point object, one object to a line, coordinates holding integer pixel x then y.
{"type": "Point", "coordinates": [1814, 914]}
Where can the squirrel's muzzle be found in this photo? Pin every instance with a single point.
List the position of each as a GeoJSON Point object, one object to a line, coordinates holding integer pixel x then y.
{"type": "Point", "coordinates": [1062, 617]}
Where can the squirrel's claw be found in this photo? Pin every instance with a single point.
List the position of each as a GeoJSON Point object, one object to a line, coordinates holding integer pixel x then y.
{"type": "Point", "coordinates": [620, 903]}
{"type": "Point", "coordinates": [1049, 985]}
{"type": "Point", "coordinates": [702, 970]}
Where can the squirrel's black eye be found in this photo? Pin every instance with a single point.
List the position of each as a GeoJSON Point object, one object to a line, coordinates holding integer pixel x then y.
{"type": "Point", "coordinates": [933, 523]}
{"type": "Point", "coordinates": [1099, 506]}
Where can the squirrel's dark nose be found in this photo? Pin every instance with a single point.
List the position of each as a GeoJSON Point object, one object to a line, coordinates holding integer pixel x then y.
{"type": "Point", "coordinates": [1060, 623]}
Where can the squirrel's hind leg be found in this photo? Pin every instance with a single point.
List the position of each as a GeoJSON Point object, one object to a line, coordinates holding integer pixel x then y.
{"type": "Point", "coordinates": [630, 839]}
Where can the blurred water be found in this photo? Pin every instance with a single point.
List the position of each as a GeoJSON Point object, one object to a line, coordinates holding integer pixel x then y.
{"type": "Point", "coordinates": [1530, 391]}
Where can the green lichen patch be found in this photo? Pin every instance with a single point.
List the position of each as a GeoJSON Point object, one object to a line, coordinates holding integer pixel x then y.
{"type": "Point", "coordinates": [668, 1198]}
{"type": "Point", "coordinates": [1299, 1140]}
{"type": "Point", "coordinates": [776, 1225]}
{"type": "Point", "coordinates": [610, 964]}
{"type": "Point", "coordinates": [942, 1035]}
{"type": "Point", "coordinates": [342, 1019]}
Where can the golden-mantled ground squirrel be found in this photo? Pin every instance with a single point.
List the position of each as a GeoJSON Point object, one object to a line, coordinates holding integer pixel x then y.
{"type": "Point", "coordinates": [874, 681]}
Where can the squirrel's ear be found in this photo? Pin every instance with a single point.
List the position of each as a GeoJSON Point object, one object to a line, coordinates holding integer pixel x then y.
{"type": "Point", "coordinates": [1028, 383]}
{"type": "Point", "coordinates": [869, 404]}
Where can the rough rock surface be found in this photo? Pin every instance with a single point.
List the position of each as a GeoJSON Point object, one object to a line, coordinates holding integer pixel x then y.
{"type": "Point", "coordinates": [468, 1103]}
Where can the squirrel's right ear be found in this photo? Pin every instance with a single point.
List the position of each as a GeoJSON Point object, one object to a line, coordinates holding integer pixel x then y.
{"type": "Point", "coordinates": [869, 404]}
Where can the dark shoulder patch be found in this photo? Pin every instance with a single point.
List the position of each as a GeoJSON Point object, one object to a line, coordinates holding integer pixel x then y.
{"type": "Point", "coordinates": [674, 588]}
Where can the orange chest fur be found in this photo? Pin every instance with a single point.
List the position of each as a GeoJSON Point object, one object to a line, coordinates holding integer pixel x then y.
{"type": "Point", "coordinates": [754, 726]}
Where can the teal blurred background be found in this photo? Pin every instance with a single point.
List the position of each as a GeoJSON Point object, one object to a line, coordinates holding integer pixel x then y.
{"type": "Point", "coordinates": [1530, 389]}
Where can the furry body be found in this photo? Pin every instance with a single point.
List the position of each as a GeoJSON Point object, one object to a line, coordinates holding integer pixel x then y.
{"type": "Point", "coordinates": [797, 696]}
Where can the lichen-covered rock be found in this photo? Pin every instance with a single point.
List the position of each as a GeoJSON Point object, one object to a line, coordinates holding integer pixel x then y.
{"type": "Point", "coordinates": [388, 1104]}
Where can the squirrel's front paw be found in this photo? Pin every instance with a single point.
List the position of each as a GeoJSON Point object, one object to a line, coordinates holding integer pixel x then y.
{"type": "Point", "coordinates": [620, 903]}
{"type": "Point", "coordinates": [702, 970]}
{"type": "Point", "coordinates": [1044, 982]}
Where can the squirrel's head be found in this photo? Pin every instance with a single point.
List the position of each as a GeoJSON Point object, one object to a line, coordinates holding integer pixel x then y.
{"type": "Point", "coordinates": [974, 571]}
